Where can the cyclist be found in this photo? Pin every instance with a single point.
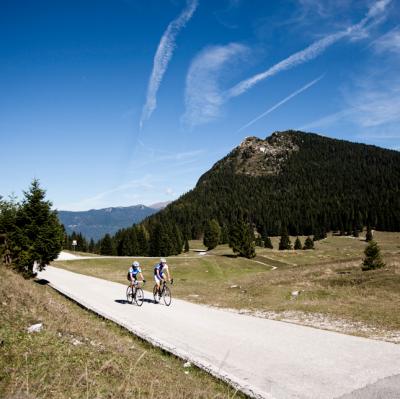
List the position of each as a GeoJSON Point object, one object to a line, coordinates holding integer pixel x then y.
{"type": "Point", "coordinates": [133, 273]}
{"type": "Point", "coordinates": [160, 269]}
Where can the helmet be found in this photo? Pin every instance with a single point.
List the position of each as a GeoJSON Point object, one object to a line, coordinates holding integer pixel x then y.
{"type": "Point", "coordinates": [135, 264]}
{"type": "Point", "coordinates": [163, 260]}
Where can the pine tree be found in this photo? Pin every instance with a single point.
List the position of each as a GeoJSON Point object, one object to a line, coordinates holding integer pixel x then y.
{"type": "Point", "coordinates": [241, 239]}
{"type": "Point", "coordinates": [186, 245]}
{"type": "Point", "coordinates": [8, 214]}
{"type": "Point", "coordinates": [143, 240]}
{"type": "Point", "coordinates": [284, 242]}
{"type": "Point", "coordinates": [91, 246]}
{"type": "Point", "coordinates": [268, 243]}
{"type": "Point", "coordinates": [297, 243]}
{"type": "Point", "coordinates": [177, 240]}
{"type": "Point", "coordinates": [224, 238]}
{"type": "Point", "coordinates": [106, 245]}
{"type": "Point", "coordinates": [212, 234]}
{"type": "Point", "coordinates": [308, 243]}
{"type": "Point", "coordinates": [38, 235]}
{"type": "Point", "coordinates": [373, 259]}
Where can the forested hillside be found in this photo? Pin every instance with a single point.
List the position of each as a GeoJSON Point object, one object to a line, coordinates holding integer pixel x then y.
{"type": "Point", "coordinates": [300, 181]}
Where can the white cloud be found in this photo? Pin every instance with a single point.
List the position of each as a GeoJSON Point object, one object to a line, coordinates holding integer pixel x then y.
{"type": "Point", "coordinates": [373, 106]}
{"type": "Point", "coordinates": [203, 96]}
{"type": "Point", "coordinates": [389, 42]}
{"type": "Point", "coordinates": [163, 56]}
{"type": "Point", "coordinates": [312, 51]}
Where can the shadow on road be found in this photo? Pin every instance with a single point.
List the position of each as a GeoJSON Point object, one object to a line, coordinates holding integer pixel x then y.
{"type": "Point", "coordinates": [125, 302]}
{"type": "Point", "coordinates": [42, 281]}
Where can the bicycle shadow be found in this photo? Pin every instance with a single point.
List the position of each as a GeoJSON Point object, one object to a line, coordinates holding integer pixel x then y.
{"type": "Point", "coordinates": [125, 302]}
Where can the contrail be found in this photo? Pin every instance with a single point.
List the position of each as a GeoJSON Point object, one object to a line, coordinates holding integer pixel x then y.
{"type": "Point", "coordinates": [294, 94]}
{"type": "Point", "coordinates": [309, 52]}
{"type": "Point", "coordinates": [163, 56]}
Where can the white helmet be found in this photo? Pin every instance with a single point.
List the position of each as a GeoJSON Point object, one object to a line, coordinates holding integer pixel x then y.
{"type": "Point", "coordinates": [135, 264]}
{"type": "Point", "coordinates": [163, 260]}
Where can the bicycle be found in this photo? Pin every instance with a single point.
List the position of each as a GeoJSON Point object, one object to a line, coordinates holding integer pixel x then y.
{"type": "Point", "coordinates": [135, 293]}
{"type": "Point", "coordinates": [164, 293]}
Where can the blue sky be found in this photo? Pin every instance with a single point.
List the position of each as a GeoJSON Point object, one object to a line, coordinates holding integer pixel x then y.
{"type": "Point", "coordinates": [116, 103]}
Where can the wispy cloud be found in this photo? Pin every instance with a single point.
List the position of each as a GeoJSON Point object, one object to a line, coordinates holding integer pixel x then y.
{"type": "Point", "coordinates": [280, 103]}
{"type": "Point", "coordinates": [373, 104]}
{"type": "Point", "coordinates": [203, 96]}
{"type": "Point", "coordinates": [311, 52]}
{"type": "Point", "coordinates": [163, 56]}
{"type": "Point", "coordinates": [389, 42]}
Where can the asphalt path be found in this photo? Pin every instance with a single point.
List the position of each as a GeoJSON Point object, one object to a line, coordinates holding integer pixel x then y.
{"type": "Point", "coordinates": [261, 357]}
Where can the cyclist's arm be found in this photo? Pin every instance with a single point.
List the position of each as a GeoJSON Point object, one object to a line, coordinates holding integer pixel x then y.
{"type": "Point", "coordinates": [141, 275]}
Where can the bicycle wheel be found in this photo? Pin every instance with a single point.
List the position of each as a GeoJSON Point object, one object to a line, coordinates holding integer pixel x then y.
{"type": "Point", "coordinates": [155, 294]}
{"type": "Point", "coordinates": [167, 296]}
{"type": "Point", "coordinates": [129, 294]}
{"type": "Point", "coordinates": [139, 297]}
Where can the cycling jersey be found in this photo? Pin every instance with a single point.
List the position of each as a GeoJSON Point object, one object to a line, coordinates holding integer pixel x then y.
{"type": "Point", "coordinates": [161, 268]}
{"type": "Point", "coordinates": [134, 272]}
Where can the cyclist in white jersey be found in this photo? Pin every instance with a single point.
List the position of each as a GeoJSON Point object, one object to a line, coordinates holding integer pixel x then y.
{"type": "Point", "coordinates": [161, 272]}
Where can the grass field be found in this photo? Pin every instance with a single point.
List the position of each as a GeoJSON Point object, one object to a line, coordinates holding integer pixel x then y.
{"type": "Point", "coordinates": [79, 355]}
{"type": "Point", "coordinates": [329, 280]}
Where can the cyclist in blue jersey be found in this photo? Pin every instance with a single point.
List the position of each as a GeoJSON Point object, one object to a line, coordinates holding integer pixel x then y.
{"type": "Point", "coordinates": [161, 272]}
{"type": "Point", "coordinates": [134, 272]}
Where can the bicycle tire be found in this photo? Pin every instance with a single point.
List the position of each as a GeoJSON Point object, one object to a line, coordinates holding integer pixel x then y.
{"type": "Point", "coordinates": [139, 297]}
{"type": "Point", "coordinates": [167, 296]}
{"type": "Point", "coordinates": [129, 294]}
{"type": "Point", "coordinates": [155, 293]}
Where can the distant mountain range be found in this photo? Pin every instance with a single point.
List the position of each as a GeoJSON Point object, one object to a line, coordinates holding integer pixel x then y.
{"type": "Point", "coordinates": [95, 223]}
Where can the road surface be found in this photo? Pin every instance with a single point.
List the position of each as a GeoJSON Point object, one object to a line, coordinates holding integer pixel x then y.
{"type": "Point", "coordinates": [261, 357]}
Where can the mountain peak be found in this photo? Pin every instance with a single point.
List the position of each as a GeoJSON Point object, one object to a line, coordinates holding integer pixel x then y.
{"type": "Point", "coordinates": [258, 157]}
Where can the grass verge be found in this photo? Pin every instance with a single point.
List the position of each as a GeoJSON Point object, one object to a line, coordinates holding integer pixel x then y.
{"type": "Point", "coordinates": [79, 355]}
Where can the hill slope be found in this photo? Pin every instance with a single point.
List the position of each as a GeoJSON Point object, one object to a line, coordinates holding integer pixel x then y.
{"type": "Point", "coordinates": [297, 180]}
{"type": "Point", "coordinates": [95, 223]}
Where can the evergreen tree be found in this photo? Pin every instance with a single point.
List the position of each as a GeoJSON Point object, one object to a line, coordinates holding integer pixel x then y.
{"type": "Point", "coordinates": [212, 234]}
{"type": "Point", "coordinates": [373, 259]}
{"type": "Point", "coordinates": [160, 241]}
{"type": "Point", "coordinates": [8, 214]}
{"type": "Point", "coordinates": [297, 243]}
{"type": "Point", "coordinates": [308, 243]}
{"type": "Point", "coordinates": [91, 247]}
{"type": "Point", "coordinates": [143, 240]}
{"type": "Point", "coordinates": [224, 238]}
{"type": "Point", "coordinates": [38, 234]}
{"type": "Point", "coordinates": [177, 239]}
{"type": "Point", "coordinates": [106, 245]}
{"type": "Point", "coordinates": [368, 235]}
{"type": "Point", "coordinates": [186, 245]}
{"type": "Point", "coordinates": [284, 242]}
{"type": "Point", "coordinates": [241, 239]}
{"type": "Point", "coordinates": [268, 243]}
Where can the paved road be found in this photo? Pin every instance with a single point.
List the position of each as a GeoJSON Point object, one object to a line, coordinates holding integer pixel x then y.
{"type": "Point", "coordinates": [264, 358]}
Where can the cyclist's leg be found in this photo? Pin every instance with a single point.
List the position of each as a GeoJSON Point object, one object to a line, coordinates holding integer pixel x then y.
{"type": "Point", "coordinates": [158, 281]}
